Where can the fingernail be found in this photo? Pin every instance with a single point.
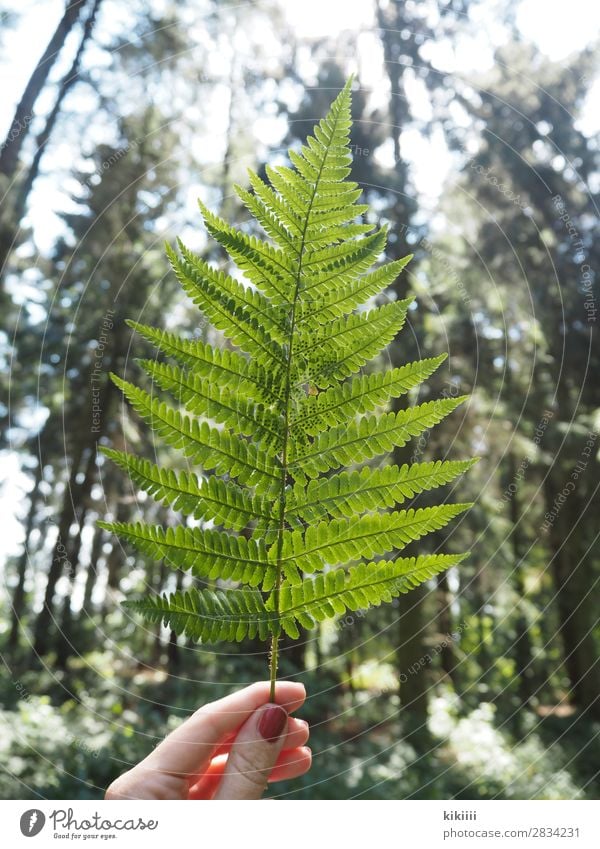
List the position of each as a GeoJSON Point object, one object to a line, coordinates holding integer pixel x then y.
{"type": "Point", "coordinates": [272, 722]}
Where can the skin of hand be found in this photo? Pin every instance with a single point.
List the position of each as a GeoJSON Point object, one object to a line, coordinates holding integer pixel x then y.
{"type": "Point", "coordinates": [228, 749]}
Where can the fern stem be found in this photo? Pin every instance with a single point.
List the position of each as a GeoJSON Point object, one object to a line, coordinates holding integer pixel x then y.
{"type": "Point", "coordinates": [273, 663]}
{"type": "Point", "coordinates": [286, 430]}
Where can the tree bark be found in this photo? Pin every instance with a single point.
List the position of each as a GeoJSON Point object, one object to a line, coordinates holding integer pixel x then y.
{"type": "Point", "coordinates": [411, 656]}
{"type": "Point", "coordinates": [16, 208]}
{"type": "Point", "coordinates": [44, 618]}
{"type": "Point", "coordinates": [65, 631]}
{"type": "Point", "coordinates": [173, 650]}
{"type": "Point", "coordinates": [64, 554]}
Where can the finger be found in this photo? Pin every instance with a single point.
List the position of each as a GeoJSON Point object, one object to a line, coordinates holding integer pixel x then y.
{"type": "Point", "coordinates": [206, 787]}
{"type": "Point", "coordinates": [297, 734]}
{"type": "Point", "coordinates": [291, 763]}
{"type": "Point", "coordinates": [191, 746]}
{"type": "Point", "coordinates": [253, 754]}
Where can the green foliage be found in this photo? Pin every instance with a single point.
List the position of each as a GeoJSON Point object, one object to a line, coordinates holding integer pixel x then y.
{"type": "Point", "coordinates": [278, 420]}
{"type": "Point", "coordinates": [71, 748]}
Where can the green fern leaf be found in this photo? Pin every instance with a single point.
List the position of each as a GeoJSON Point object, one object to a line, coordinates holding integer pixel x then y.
{"type": "Point", "coordinates": [226, 368]}
{"type": "Point", "coordinates": [226, 312]}
{"type": "Point", "coordinates": [362, 586]}
{"type": "Point", "coordinates": [339, 300]}
{"type": "Point", "coordinates": [209, 615]}
{"type": "Point", "coordinates": [367, 438]}
{"type": "Point", "coordinates": [205, 553]}
{"type": "Point", "coordinates": [274, 427]}
{"type": "Point", "coordinates": [268, 268]}
{"type": "Point", "coordinates": [214, 449]}
{"type": "Point", "coordinates": [341, 350]}
{"type": "Point", "coordinates": [202, 397]}
{"type": "Point", "coordinates": [352, 493]}
{"type": "Point", "coordinates": [347, 540]}
{"type": "Point", "coordinates": [339, 403]}
{"type": "Point", "coordinates": [212, 499]}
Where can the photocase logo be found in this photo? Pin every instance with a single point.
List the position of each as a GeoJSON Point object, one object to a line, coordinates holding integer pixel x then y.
{"type": "Point", "coordinates": [32, 822]}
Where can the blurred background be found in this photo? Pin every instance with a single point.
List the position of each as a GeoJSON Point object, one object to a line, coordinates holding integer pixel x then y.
{"type": "Point", "coordinates": [476, 138]}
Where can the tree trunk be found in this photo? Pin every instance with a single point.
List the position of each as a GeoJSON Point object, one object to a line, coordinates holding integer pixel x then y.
{"type": "Point", "coordinates": [573, 577]}
{"type": "Point", "coordinates": [44, 618]}
{"type": "Point", "coordinates": [76, 495]}
{"type": "Point", "coordinates": [479, 593]}
{"type": "Point", "coordinates": [64, 636]}
{"type": "Point", "coordinates": [114, 562]}
{"type": "Point", "coordinates": [445, 628]}
{"type": "Point", "coordinates": [65, 632]}
{"type": "Point", "coordinates": [67, 82]}
{"type": "Point", "coordinates": [63, 554]}
{"type": "Point", "coordinates": [391, 20]}
{"type": "Point", "coordinates": [411, 657]}
{"type": "Point", "coordinates": [522, 650]}
{"type": "Point", "coordinates": [412, 626]}
{"type": "Point", "coordinates": [9, 153]}
{"type": "Point", "coordinates": [18, 604]}
{"type": "Point", "coordinates": [92, 571]}
{"type": "Point", "coordinates": [157, 647]}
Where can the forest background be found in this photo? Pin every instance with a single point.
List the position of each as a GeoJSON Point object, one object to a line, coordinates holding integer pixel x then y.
{"type": "Point", "coordinates": [476, 139]}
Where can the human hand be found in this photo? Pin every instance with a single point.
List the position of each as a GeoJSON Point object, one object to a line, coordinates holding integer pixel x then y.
{"type": "Point", "coordinates": [228, 749]}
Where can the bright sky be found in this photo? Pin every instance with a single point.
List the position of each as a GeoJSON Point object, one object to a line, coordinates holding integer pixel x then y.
{"type": "Point", "coordinates": [557, 27]}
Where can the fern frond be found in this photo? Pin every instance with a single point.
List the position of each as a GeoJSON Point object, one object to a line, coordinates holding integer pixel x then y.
{"type": "Point", "coordinates": [361, 395]}
{"type": "Point", "coordinates": [340, 300]}
{"type": "Point", "coordinates": [325, 269]}
{"type": "Point", "coordinates": [347, 344]}
{"type": "Point", "coordinates": [267, 267]}
{"type": "Point", "coordinates": [276, 426]}
{"type": "Point", "coordinates": [232, 615]}
{"type": "Point", "coordinates": [225, 312]}
{"type": "Point", "coordinates": [242, 300]}
{"type": "Point", "coordinates": [269, 222]}
{"type": "Point", "coordinates": [203, 397]}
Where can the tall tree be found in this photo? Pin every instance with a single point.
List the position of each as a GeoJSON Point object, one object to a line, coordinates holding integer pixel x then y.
{"type": "Point", "coordinates": [66, 84]}
{"type": "Point", "coordinates": [19, 127]}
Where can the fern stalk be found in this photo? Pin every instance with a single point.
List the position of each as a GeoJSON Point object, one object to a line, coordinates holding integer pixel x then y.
{"type": "Point", "coordinates": [286, 430]}
{"type": "Point", "coordinates": [284, 419]}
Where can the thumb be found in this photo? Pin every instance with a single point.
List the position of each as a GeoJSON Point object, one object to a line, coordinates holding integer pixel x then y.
{"type": "Point", "coordinates": [253, 754]}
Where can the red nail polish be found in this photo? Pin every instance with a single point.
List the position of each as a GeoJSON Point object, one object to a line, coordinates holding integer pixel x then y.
{"type": "Point", "coordinates": [272, 722]}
